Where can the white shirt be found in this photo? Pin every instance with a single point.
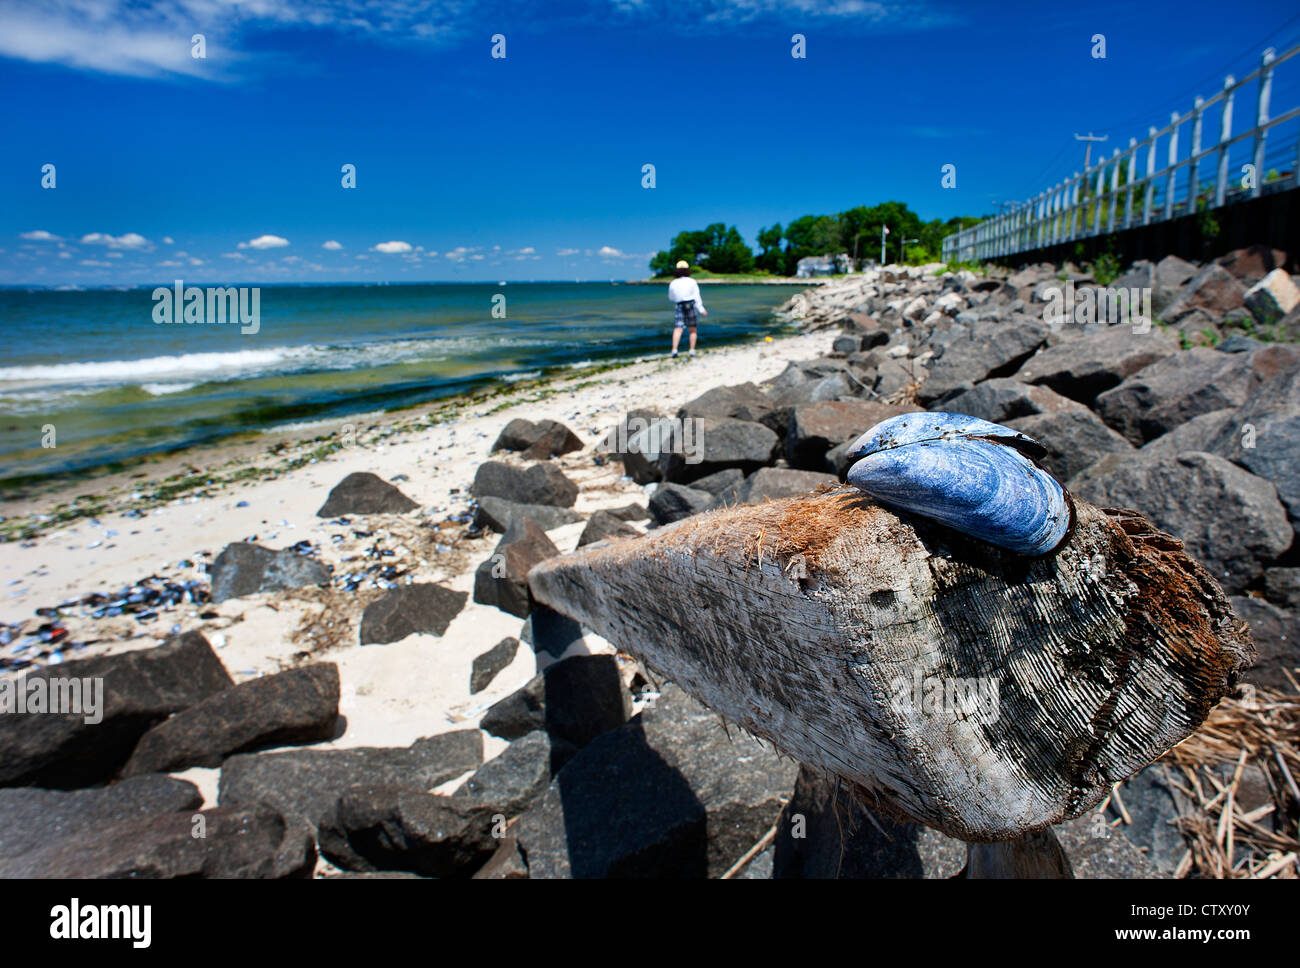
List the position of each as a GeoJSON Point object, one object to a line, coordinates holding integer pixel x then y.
{"type": "Point", "coordinates": [685, 289]}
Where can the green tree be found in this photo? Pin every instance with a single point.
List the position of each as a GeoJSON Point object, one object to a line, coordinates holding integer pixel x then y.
{"type": "Point", "coordinates": [771, 259]}
{"type": "Point", "coordinates": [717, 248]}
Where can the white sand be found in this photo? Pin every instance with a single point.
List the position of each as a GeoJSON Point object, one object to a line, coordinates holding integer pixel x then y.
{"type": "Point", "coordinates": [391, 694]}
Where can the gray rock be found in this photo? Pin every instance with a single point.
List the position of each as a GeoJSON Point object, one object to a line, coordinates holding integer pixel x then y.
{"type": "Point", "coordinates": [295, 706]}
{"type": "Point", "coordinates": [771, 483]}
{"type": "Point", "coordinates": [745, 401]}
{"type": "Point", "coordinates": [1213, 289]}
{"type": "Point", "coordinates": [1264, 435]}
{"type": "Point", "coordinates": [602, 526]}
{"type": "Point", "coordinates": [1229, 520]}
{"type": "Point", "coordinates": [541, 483]}
{"type": "Point", "coordinates": [1154, 805]}
{"type": "Point", "coordinates": [615, 442]}
{"type": "Point", "coordinates": [633, 512]}
{"type": "Point", "coordinates": [1237, 343]}
{"type": "Point", "coordinates": [1176, 389]}
{"type": "Point", "coordinates": [825, 834]}
{"type": "Point", "coordinates": [1074, 438]}
{"type": "Point", "coordinates": [672, 502]}
{"type": "Point", "coordinates": [310, 782]}
{"type": "Point", "coordinates": [641, 455]}
{"type": "Point", "coordinates": [501, 515]}
{"type": "Point", "coordinates": [1276, 633]}
{"type": "Point", "coordinates": [1171, 274]}
{"type": "Point", "coordinates": [817, 427]}
{"type": "Point", "coordinates": [1253, 262]}
{"type": "Point", "coordinates": [537, 441]}
{"type": "Point", "coordinates": [574, 700]}
{"type": "Point", "coordinates": [991, 349]}
{"type": "Point", "coordinates": [502, 580]}
{"type": "Point", "coordinates": [363, 493]}
{"type": "Point", "coordinates": [1282, 587]}
{"type": "Point", "coordinates": [486, 666]}
{"type": "Point", "coordinates": [246, 569]}
{"type": "Point", "coordinates": [31, 817]}
{"type": "Point", "coordinates": [667, 795]}
{"type": "Point", "coordinates": [1006, 398]}
{"type": "Point", "coordinates": [711, 444]}
{"type": "Point", "coordinates": [140, 689]}
{"type": "Point", "coordinates": [1096, 851]}
{"type": "Point", "coordinates": [1196, 434]}
{"type": "Point", "coordinates": [247, 842]}
{"type": "Point", "coordinates": [523, 771]}
{"type": "Point", "coordinates": [403, 828]}
{"type": "Point", "coordinates": [721, 482]}
{"type": "Point", "coordinates": [419, 609]}
{"type": "Point", "coordinates": [1092, 364]}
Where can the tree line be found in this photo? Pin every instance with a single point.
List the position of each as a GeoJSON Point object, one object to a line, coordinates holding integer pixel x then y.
{"type": "Point", "coordinates": [720, 248]}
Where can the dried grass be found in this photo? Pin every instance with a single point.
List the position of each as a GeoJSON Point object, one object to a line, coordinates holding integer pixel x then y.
{"type": "Point", "coordinates": [1260, 727]}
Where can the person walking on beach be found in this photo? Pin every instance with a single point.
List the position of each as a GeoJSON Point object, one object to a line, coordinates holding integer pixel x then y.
{"type": "Point", "coordinates": [684, 294]}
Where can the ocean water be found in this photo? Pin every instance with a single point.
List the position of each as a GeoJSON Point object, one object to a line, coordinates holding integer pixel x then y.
{"type": "Point", "coordinates": [115, 384]}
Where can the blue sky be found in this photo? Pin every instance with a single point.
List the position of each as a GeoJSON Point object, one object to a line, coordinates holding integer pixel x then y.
{"type": "Point", "coordinates": [227, 168]}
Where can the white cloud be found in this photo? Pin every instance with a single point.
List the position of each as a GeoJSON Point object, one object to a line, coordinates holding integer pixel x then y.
{"type": "Point", "coordinates": [196, 262]}
{"type": "Point", "coordinates": [608, 252]}
{"type": "Point", "coordinates": [131, 240]}
{"type": "Point", "coordinates": [167, 240]}
{"type": "Point", "coordinates": [331, 245]}
{"type": "Point", "coordinates": [390, 248]}
{"type": "Point", "coordinates": [264, 242]}
{"type": "Point", "coordinates": [137, 39]}
{"type": "Point", "coordinates": [40, 235]}
{"type": "Point", "coordinates": [170, 262]}
{"type": "Point", "coordinates": [567, 251]}
{"type": "Point", "coordinates": [92, 262]}
{"type": "Point", "coordinates": [460, 253]}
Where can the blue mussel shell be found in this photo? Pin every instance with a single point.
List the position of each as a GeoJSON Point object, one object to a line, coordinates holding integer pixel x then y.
{"type": "Point", "coordinates": [974, 476]}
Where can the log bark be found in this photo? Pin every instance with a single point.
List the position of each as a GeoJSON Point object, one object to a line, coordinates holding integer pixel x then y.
{"type": "Point", "coordinates": [812, 621]}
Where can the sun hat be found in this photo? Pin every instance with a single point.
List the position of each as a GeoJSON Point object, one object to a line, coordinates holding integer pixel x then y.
{"type": "Point", "coordinates": [683, 264]}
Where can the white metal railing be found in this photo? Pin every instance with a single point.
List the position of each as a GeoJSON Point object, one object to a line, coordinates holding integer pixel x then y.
{"type": "Point", "coordinates": [1096, 203]}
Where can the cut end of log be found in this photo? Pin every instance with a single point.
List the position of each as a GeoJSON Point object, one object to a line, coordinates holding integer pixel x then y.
{"type": "Point", "coordinates": [980, 692]}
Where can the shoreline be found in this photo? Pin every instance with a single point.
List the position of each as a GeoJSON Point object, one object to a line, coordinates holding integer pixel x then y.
{"type": "Point", "coordinates": [69, 495]}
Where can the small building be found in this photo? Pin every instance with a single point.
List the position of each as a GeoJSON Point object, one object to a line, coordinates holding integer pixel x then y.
{"type": "Point", "coordinates": [815, 265]}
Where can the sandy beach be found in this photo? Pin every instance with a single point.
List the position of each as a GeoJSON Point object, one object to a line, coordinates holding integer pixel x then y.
{"type": "Point", "coordinates": [391, 694]}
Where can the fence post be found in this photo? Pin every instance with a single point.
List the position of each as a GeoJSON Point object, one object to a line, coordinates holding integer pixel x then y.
{"type": "Point", "coordinates": [1225, 132]}
{"type": "Point", "coordinates": [1096, 198]}
{"type": "Point", "coordinates": [1193, 186]}
{"type": "Point", "coordinates": [1132, 177]}
{"type": "Point", "coordinates": [1150, 193]}
{"type": "Point", "coordinates": [1261, 118]}
{"type": "Point", "coordinates": [1173, 157]}
{"type": "Point", "coordinates": [1114, 190]}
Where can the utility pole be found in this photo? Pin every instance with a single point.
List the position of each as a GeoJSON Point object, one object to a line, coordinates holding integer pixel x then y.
{"type": "Point", "coordinates": [1090, 138]}
{"type": "Point", "coordinates": [884, 230]}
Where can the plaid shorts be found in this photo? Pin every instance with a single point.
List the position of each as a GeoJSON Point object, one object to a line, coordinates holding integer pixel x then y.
{"type": "Point", "coordinates": [684, 314]}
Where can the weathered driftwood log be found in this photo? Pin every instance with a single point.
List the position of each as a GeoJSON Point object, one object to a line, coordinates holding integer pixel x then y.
{"type": "Point", "coordinates": [868, 644]}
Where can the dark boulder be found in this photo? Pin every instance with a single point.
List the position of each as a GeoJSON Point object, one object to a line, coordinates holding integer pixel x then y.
{"type": "Point", "coordinates": [541, 483]}
{"type": "Point", "coordinates": [574, 700]}
{"type": "Point", "coordinates": [1074, 438]}
{"type": "Point", "coordinates": [500, 515]}
{"type": "Point", "coordinates": [1084, 367]}
{"type": "Point", "coordinates": [486, 666]}
{"type": "Point", "coordinates": [402, 828]}
{"type": "Point", "coordinates": [363, 493]}
{"type": "Point", "coordinates": [246, 569]}
{"type": "Point", "coordinates": [672, 502]}
{"type": "Point", "coordinates": [139, 689]}
{"type": "Point", "coordinates": [604, 525]}
{"type": "Point", "coordinates": [310, 782]}
{"type": "Point", "coordinates": [1276, 633]}
{"type": "Point", "coordinates": [699, 447]}
{"type": "Point", "coordinates": [537, 441]}
{"type": "Point", "coordinates": [517, 777]}
{"type": "Point", "coordinates": [254, 842]}
{"type": "Point", "coordinates": [31, 817]}
{"type": "Point", "coordinates": [817, 427]}
{"type": "Point", "coordinates": [419, 609]}
{"type": "Point", "coordinates": [670, 794]}
{"type": "Point", "coordinates": [1229, 520]}
{"type": "Point", "coordinates": [296, 706]}
{"type": "Point", "coordinates": [502, 580]}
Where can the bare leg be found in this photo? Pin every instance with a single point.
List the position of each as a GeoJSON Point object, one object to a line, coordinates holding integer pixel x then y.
{"type": "Point", "coordinates": [692, 339]}
{"type": "Point", "coordinates": [677, 337]}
